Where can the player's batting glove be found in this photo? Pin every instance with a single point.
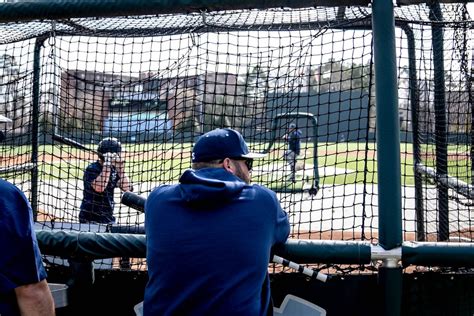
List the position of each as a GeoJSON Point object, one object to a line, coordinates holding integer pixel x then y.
{"type": "Point", "coordinates": [116, 159]}
{"type": "Point", "coordinates": [118, 162]}
{"type": "Point", "coordinates": [108, 159]}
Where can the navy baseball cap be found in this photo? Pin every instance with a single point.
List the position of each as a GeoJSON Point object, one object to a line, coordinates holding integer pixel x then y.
{"type": "Point", "coordinates": [222, 143]}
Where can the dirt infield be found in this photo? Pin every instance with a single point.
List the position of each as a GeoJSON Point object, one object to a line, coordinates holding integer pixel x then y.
{"type": "Point", "coordinates": [81, 155]}
{"type": "Point", "coordinates": [6, 161]}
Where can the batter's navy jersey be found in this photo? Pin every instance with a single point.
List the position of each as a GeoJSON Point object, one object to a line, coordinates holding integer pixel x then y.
{"type": "Point", "coordinates": [98, 206]}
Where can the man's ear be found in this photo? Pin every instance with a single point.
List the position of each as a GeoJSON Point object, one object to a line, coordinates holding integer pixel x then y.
{"type": "Point", "coordinates": [227, 165]}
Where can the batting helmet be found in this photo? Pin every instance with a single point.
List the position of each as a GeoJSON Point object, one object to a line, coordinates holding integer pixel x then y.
{"type": "Point", "coordinates": [109, 145]}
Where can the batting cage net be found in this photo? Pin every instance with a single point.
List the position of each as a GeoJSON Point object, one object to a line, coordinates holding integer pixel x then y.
{"type": "Point", "coordinates": [158, 82]}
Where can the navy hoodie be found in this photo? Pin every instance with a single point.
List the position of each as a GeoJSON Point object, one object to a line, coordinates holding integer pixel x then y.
{"type": "Point", "coordinates": [20, 260]}
{"type": "Point", "coordinates": [208, 245]}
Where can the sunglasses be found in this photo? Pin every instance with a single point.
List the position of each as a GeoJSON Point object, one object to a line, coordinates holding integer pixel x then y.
{"type": "Point", "coordinates": [248, 162]}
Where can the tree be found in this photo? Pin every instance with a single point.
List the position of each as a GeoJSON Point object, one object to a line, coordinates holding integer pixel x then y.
{"type": "Point", "coordinates": [9, 73]}
{"type": "Point", "coordinates": [255, 82]}
{"type": "Point", "coordinates": [336, 76]}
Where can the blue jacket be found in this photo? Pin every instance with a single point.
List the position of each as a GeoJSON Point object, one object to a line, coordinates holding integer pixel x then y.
{"type": "Point", "coordinates": [208, 245]}
{"type": "Point", "coordinates": [20, 257]}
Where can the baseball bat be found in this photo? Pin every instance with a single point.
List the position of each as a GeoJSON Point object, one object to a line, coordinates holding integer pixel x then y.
{"type": "Point", "coordinates": [71, 142]}
{"type": "Point", "coordinates": [19, 168]}
{"type": "Point", "coordinates": [133, 200]}
{"type": "Point", "coordinates": [137, 202]}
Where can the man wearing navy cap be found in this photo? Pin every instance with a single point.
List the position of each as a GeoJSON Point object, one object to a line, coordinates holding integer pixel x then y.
{"type": "Point", "coordinates": [23, 286]}
{"type": "Point", "coordinates": [209, 237]}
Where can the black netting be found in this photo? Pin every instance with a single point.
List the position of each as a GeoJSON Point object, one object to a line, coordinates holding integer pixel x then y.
{"type": "Point", "coordinates": [158, 82]}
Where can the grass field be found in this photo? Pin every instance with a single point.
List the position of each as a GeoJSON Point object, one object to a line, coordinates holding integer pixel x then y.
{"type": "Point", "coordinates": [164, 162]}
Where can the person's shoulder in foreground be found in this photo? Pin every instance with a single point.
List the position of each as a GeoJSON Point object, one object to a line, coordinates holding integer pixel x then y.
{"type": "Point", "coordinates": [23, 285]}
{"type": "Point", "coordinates": [221, 222]}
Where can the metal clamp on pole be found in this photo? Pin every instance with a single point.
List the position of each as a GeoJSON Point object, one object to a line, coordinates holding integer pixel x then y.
{"type": "Point", "coordinates": [390, 257]}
